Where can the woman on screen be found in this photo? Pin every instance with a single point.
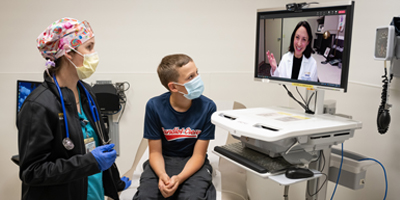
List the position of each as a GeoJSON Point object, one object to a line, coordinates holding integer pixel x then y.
{"type": "Point", "coordinates": [297, 64]}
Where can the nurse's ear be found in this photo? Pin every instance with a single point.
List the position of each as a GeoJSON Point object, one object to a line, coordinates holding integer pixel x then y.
{"type": "Point", "coordinates": [69, 52]}
{"type": "Point", "coordinates": [67, 55]}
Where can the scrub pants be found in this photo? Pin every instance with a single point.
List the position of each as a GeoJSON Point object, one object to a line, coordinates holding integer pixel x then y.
{"type": "Point", "coordinates": [197, 187]}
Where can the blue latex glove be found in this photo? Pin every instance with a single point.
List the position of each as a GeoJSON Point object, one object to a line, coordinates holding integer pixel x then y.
{"type": "Point", "coordinates": [127, 181]}
{"type": "Point", "coordinates": [105, 156]}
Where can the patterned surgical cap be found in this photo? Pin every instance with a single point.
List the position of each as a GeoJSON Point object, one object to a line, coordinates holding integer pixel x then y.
{"type": "Point", "coordinates": [53, 42]}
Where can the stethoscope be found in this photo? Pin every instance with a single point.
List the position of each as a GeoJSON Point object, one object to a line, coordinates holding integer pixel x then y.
{"type": "Point", "coordinates": [67, 142]}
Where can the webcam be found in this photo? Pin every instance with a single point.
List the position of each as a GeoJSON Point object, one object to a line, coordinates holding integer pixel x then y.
{"type": "Point", "coordinates": [294, 7]}
{"type": "Point", "coordinates": [297, 7]}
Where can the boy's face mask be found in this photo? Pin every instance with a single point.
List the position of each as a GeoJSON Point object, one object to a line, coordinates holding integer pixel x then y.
{"type": "Point", "coordinates": [194, 88]}
{"type": "Point", "coordinates": [90, 62]}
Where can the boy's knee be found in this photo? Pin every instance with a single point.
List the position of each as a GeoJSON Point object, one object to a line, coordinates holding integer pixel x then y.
{"type": "Point", "coordinates": [198, 195]}
{"type": "Point", "coordinates": [146, 195]}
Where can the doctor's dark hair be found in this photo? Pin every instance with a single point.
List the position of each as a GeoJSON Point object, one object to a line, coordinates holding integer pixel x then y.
{"type": "Point", "coordinates": [167, 68]}
{"type": "Point", "coordinates": [308, 51]}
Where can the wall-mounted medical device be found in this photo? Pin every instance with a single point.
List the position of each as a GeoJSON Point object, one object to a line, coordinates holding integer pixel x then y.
{"type": "Point", "coordinates": [387, 42]}
{"type": "Point", "coordinates": [106, 95]}
{"type": "Point", "coordinates": [112, 100]}
{"type": "Point", "coordinates": [384, 43]}
{"type": "Point", "coordinates": [387, 48]}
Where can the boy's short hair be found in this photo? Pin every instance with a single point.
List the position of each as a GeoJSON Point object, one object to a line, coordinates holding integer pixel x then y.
{"type": "Point", "coordinates": [167, 69]}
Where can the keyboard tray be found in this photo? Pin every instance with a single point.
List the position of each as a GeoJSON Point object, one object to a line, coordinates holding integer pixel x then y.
{"type": "Point", "coordinates": [254, 160]}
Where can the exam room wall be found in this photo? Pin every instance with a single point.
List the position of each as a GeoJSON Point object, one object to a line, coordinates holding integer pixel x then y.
{"type": "Point", "coordinates": [133, 36]}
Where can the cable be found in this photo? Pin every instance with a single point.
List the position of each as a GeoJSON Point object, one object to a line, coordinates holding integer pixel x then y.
{"type": "Point", "coordinates": [120, 115]}
{"type": "Point", "coordinates": [309, 100]}
{"type": "Point", "coordinates": [300, 103]}
{"type": "Point", "coordinates": [307, 103]}
{"type": "Point", "coordinates": [301, 95]}
{"type": "Point", "coordinates": [122, 99]}
{"type": "Point", "coordinates": [291, 95]}
{"type": "Point", "coordinates": [129, 86]}
{"type": "Point", "coordinates": [326, 178]}
{"type": "Point", "coordinates": [323, 156]}
{"type": "Point", "coordinates": [383, 118]}
{"type": "Point", "coordinates": [384, 172]}
{"type": "Point", "coordinates": [340, 170]}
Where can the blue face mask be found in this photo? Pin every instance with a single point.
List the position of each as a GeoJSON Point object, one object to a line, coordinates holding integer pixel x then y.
{"type": "Point", "coordinates": [194, 88]}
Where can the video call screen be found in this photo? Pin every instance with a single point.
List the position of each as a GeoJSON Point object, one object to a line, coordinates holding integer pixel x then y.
{"type": "Point", "coordinates": [326, 37]}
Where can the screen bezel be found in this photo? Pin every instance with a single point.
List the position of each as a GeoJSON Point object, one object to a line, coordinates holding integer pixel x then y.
{"type": "Point", "coordinates": [283, 13]}
{"type": "Point", "coordinates": [17, 96]}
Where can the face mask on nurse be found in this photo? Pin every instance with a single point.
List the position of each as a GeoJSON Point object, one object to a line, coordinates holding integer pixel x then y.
{"type": "Point", "coordinates": [90, 62]}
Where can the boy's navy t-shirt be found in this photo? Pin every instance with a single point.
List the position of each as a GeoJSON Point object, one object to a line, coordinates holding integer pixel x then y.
{"type": "Point", "coordinates": [179, 131]}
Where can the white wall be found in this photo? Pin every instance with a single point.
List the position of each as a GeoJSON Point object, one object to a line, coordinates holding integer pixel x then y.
{"type": "Point", "coordinates": [133, 36]}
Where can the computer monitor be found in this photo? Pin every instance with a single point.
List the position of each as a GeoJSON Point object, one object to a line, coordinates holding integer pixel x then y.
{"type": "Point", "coordinates": [327, 64]}
{"type": "Point", "coordinates": [24, 88]}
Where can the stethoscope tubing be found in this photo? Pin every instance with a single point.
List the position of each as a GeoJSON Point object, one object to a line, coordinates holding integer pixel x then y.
{"type": "Point", "coordinates": [63, 107]}
{"type": "Point", "coordinates": [93, 110]}
{"type": "Point", "coordinates": [95, 113]}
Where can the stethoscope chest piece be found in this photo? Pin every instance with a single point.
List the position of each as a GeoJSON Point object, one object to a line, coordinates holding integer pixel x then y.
{"type": "Point", "coordinates": [68, 144]}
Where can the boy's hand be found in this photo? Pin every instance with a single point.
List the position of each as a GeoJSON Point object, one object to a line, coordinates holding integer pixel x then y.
{"type": "Point", "coordinates": [162, 185]}
{"type": "Point", "coordinates": [170, 188]}
{"type": "Point", "coordinates": [174, 183]}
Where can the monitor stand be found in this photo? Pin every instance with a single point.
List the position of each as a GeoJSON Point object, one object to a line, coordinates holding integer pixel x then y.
{"type": "Point", "coordinates": [314, 184]}
{"type": "Point", "coordinates": [318, 105]}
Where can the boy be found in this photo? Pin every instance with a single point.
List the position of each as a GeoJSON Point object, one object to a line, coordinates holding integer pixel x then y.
{"type": "Point", "coordinates": [178, 128]}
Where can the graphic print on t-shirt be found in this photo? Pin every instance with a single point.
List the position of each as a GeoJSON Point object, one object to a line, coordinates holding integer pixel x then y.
{"type": "Point", "coordinates": [177, 133]}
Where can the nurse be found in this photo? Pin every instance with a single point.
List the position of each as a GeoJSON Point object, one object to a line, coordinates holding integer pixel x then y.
{"type": "Point", "coordinates": [63, 144]}
{"type": "Point", "coordinates": [297, 64]}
